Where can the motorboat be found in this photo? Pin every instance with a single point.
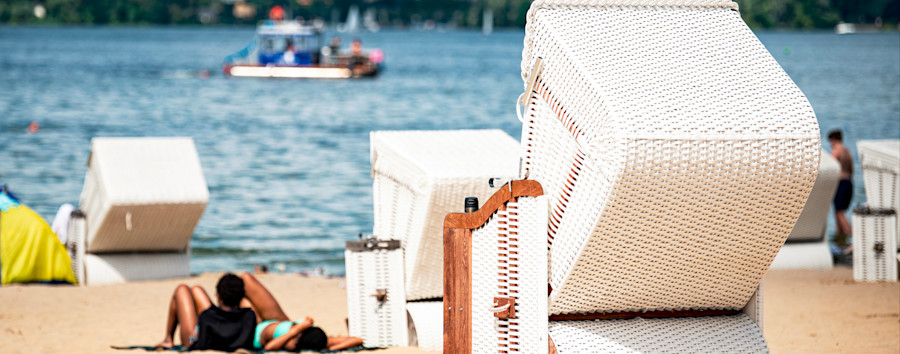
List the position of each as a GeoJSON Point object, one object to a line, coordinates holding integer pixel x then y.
{"type": "Point", "coordinates": [292, 49]}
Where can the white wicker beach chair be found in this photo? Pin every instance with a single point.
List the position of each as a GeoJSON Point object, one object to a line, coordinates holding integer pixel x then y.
{"type": "Point", "coordinates": [419, 177]}
{"type": "Point", "coordinates": [880, 160]}
{"type": "Point", "coordinates": [376, 310]}
{"type": "Point", "coordinates": [807, 246]}
{"type": "Point", "coordinates": [875, 252]}
{"type": "Point", "coordinates": [675, 156]}
{"type": "Point", "coordinates": [141, 201]}
{"type": "Point", "coordinates": [876, 229]}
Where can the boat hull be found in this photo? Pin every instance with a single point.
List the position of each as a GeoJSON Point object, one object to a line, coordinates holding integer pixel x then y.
{"type": "Point", "coordinates": [299, 72]}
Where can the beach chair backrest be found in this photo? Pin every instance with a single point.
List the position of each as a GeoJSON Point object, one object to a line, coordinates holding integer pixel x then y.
{"type": "Point", "coordinates": [420, 176]}
{"type": "Point", "coordinates": [813, 221]}
{"type": "Point", "coordinates": [142, 194]}
{"type": "Point", "coordinates": [675, 153]}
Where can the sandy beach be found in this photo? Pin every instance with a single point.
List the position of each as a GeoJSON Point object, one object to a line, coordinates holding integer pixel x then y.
{"type": "Point", "coordinates": [805, 312]}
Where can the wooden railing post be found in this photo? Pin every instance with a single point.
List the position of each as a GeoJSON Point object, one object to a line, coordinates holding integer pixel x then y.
{"type": "Point", "coordinates": [458, 263]}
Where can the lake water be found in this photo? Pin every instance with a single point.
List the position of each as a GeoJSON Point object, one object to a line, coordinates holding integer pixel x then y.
{"type": "Point", "coordinates": [287, 162]}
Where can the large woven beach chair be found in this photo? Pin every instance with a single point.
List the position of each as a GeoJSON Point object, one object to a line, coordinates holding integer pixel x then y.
{"type": "Point", "coordinates": [675, 156]}
{"type": "Point", "coordinates": [141, 201]}
{"type": "Point", "coordinates": [807, 245]}
{"type": "Point", "coordinates": [419, 177]}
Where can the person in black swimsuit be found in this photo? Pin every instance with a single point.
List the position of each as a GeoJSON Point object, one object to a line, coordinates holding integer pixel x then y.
{"type": "Point", "coordinates": [844, 193]}
{"type": "Point", "coordinates": [206, 326]}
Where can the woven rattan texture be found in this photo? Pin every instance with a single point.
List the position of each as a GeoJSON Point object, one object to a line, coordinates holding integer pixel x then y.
{"type": "Point", "coordinates": [419, 177]}
{"type": "Point", "coordinates": [379, 324]}
{"type": "Point", "coordinates": [142, 194]}
{"type": "Point", "coordinates": [754, 308]}
{"type": "Point", "coordinates": [813, 219]}
{"type": "Point", "coordinates": [880, 160]}
{"type": "Point", "coordinates": [676, 153]}
{"type": "Point", "coordinates": [429, 322]}
{"type": "Point", "coordinates": [716, 334]}
{"type": "Point", "coordinates": [509, 259]}
{"type": "Point", "coordinates": [874, 247]}
{"type": "Point", "coordinates": [76, 234]}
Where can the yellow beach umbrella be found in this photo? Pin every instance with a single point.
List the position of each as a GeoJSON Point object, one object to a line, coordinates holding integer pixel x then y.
{"type": "Point", "coordinates": [29, 250]}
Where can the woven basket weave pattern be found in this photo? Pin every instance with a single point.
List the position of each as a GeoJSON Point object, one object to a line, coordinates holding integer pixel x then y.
{"type": "Point", "coordinates": [419, 177]}
{"type": "Point", "coordinates": [813, 220]}
{"type": "Point", "coordinates": [715, 334]}
{"type": "Point", "coordinates": [509, 260]}
{"type": "Point", "coordinates": [676, 153]}
{"type": "Point", "coordinates": [377, 323]}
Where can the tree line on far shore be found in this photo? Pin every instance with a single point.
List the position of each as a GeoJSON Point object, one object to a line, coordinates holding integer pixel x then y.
{"type": "Point", "coordinates": [759, 14]}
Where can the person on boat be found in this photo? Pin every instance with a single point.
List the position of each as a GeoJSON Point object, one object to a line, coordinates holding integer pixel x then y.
{"type": "Point", "coordinates": [290, 53]}
{"type": "Point", "coordinates": [203, 325]}
{"type": "Point", "coordinates": [275, 331]}
{"type": "Point", "coordinates": [335, 45]}
{"type": "Point", "coordinates": [357, 57]}
{"type": "Point", "coordinates": [845, 186]}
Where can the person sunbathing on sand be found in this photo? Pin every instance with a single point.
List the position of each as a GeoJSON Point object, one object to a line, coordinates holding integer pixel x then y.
{"type": "Point", "coordinates": [276, 331]}
{"type": "Point", "coordinates": [205, 326]}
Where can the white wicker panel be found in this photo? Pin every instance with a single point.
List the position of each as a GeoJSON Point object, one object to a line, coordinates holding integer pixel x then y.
{"type": "Point", "coordinates": [813, 220]}
{"type": "Point", "coordinates": [378, 324]}
{"type": "Point", "coordinates": [715, 334]}
{"type": "Point", "coordinates": [880, 161]}
{"type": "Point", "coordinates": [677, 174]}
{"type": "Point", "coordinates": [754, 308]}
{"type": "Point", "coordinates": [75, 244]}
{"type": "Point", "coordinates": [699, 241]}
{"type": "Point", "coordinates": [429, 323]}
{"type": "Point", "coordinates": [870, 264]}
{"type": "Point", "coordinates": [100, 269]}
{"type": "Point", "coordinates": [420, 176]}
{"type": "Point", "coordinates": [509, 259]}
{"type": "Point", "coordinates": [142, 194]}
{"type": "Point", "coordinates": [804, 255]}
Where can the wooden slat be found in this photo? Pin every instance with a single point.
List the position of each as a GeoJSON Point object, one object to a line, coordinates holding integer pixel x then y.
{"type": "Point", "coordinates": [520, 188]}
{"type": "Point", "coordinates": [457, 290]}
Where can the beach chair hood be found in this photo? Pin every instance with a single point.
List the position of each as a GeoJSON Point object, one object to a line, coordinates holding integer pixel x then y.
{"type": "Point", "coordinates": [675, 152]}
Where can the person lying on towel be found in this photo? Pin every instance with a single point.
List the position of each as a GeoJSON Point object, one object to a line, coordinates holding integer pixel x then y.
{"type": "Point", "coordinates": [227, 327]}
{"type": "Point", "coordinates": [275, 331]}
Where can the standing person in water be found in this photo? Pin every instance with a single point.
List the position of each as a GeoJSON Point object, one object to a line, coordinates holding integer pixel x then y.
{"type": "Point", "coordinates": [275, 331]}
{"type": "Point", "coordinates": [845, 187]}
{"type": "Point", "coordinates": [227, 327]}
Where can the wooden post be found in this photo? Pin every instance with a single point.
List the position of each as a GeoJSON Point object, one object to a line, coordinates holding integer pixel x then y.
{"type": "Point", "coordinates": [457, 290]}
{"type": "Point", "coordinates": [458, 263]}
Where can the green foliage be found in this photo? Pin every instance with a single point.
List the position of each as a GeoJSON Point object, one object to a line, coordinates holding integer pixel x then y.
{"type": "Point", "coordinates": [799, 14]}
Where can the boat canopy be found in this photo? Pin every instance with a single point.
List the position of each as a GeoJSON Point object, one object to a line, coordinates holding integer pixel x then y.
{"type": "Point", "coordinates": [285, 28]}
{"type": "Point", "coordinates": [276, 37]}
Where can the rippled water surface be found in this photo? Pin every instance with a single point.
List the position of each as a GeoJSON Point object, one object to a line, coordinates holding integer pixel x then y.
{"type": "Point", "coordinates": [287, 161]}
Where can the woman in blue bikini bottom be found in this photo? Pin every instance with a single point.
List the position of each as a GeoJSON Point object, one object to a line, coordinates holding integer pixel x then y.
{"type": "Point", "coordinates": [276, 331]}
